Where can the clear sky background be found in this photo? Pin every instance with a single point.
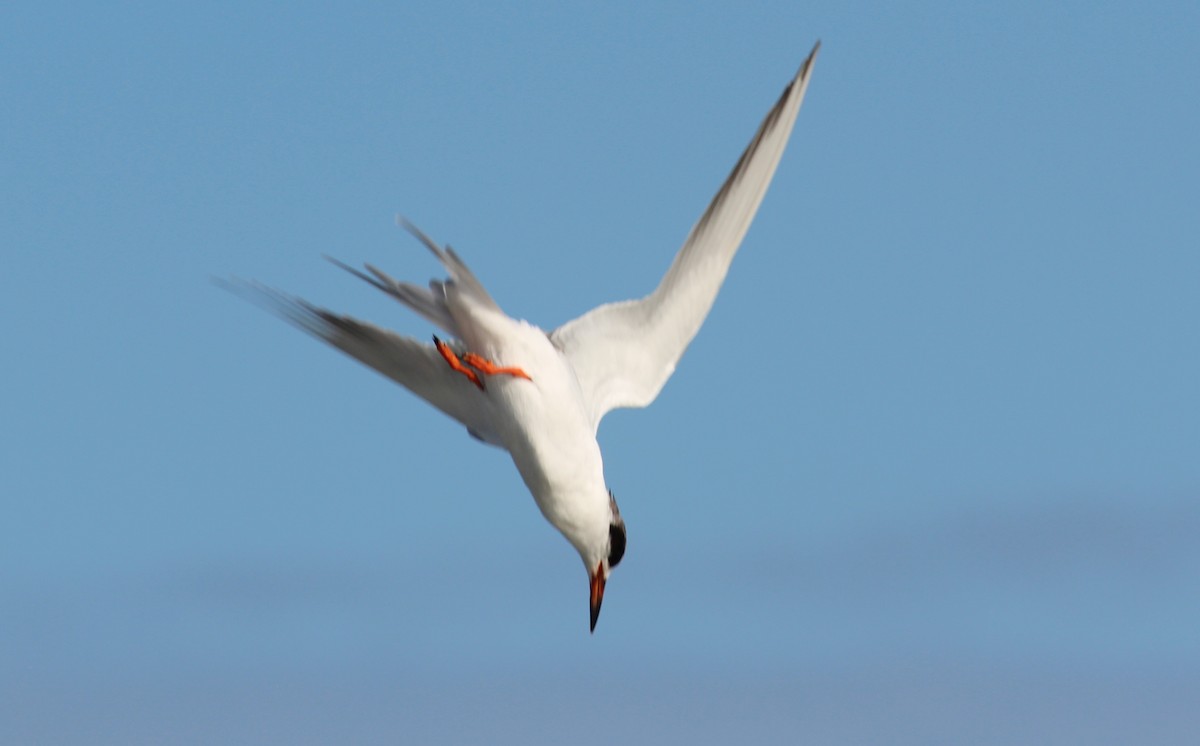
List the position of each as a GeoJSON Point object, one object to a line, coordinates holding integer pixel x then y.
{"type": "Point", "coordinates": [929, 474]}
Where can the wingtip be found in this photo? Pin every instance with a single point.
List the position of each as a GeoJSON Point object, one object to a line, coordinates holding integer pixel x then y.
{"type": "Point", "coordinates": [247, 289]}
{"type": "Point", "coordinates": [288, 307]}
{"type": "Point", "coordinates": [808, 61]}
{"type": "Point", "coordinates": [225, 283]}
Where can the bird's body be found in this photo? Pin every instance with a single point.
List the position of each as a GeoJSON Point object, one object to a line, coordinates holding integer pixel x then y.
{"type": "Point", "coordinates": [541, 396]}
{"type": "Point", "coordinates": [544, 426]}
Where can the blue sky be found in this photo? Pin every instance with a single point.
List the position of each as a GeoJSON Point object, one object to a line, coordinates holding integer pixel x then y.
{"type": "Point", "coordinates": [928, 474]}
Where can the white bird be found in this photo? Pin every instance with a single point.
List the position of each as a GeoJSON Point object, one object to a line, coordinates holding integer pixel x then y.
{"type": "Point", "coordinates": [541, 396]}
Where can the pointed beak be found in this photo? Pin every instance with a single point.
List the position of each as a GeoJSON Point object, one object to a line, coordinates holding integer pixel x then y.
{"type": "Point", "coordinates": [597, 593]}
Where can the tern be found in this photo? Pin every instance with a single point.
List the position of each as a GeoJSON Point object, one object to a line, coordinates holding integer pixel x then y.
{"type": "Point", "coordinates": [541, 395]}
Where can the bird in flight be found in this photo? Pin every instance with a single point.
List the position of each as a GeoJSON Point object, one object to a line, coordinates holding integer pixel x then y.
{"type": "Point", "coordinates": [541, 395]}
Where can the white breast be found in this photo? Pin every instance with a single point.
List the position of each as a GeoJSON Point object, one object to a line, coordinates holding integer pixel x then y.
{"type": "Point", "coordinates": [545, 427]}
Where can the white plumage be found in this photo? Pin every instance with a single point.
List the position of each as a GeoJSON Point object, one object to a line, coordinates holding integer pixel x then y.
{"type": "Point", "coordinates": [617, 355]}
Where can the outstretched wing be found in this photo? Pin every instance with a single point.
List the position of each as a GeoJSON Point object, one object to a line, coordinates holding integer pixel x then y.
{"type": "Point", "coordinates": [624, 352]}
{"type": "Point", "coordinates": [414, 365]}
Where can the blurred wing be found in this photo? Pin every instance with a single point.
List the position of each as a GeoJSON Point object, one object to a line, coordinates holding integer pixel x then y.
{"type": "Point", "coordinates": [624, 352]}
{"type": "Point", "coordinates": [416, 366]}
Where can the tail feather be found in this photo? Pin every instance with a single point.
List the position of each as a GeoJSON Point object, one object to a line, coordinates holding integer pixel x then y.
{"type": "Point", "coordinates": [431, 303]}
{"type": "Point", "coordinates": [459, 272]}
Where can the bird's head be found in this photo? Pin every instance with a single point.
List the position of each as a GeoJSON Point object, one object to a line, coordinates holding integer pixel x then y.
{"type": "Point", "coordinates": [602, 558]}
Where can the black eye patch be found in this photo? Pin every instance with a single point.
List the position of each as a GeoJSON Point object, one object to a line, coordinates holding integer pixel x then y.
{"type": "Point", "coordinates": [616, 544]}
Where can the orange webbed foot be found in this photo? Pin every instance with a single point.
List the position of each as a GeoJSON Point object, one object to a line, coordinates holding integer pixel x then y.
{"type": "Point", "coordinates": [453, 361]}
{"type": "Point", "coordinates": [487, 367]}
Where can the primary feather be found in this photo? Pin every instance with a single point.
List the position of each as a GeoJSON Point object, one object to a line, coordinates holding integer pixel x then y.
{"type": "Point", "coordinates": [624, 352]}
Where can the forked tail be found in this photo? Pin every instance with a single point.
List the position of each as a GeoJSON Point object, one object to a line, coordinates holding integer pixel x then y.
{"type": "Point", "coordinates": [428, 302]}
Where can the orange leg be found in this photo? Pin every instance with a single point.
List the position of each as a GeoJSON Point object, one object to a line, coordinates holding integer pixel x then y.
{"type": "Point", "coordinates": [487, 367]}
{"type": "Point", "coordinates": [454, 363]}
